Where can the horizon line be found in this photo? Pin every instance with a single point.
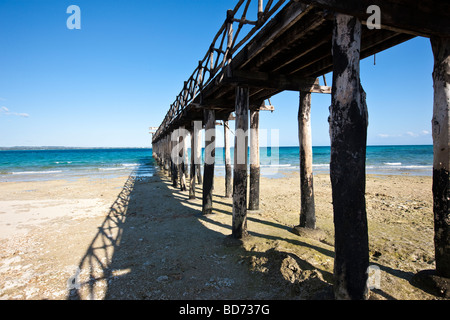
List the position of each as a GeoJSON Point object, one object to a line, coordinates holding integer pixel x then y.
{"type": "Point", "coordinates": [150, 147]}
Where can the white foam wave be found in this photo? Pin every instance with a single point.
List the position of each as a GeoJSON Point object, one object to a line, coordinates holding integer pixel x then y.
{"type": "Point", "coordinates": [275, 165]}
{"type": "Point", "coordinates": [36, 172]}
{"type": "Point", "coordinates": [130, 164]}
{"type": "Point", "coordinates": [110, 169]}
{"type": "Point", "coordinates": [399, 167]}
{"type": "Point", "coordinates": [417, 167]}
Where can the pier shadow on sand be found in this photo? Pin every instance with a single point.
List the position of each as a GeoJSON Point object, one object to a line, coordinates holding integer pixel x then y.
{"type": "Point", "coordinates": [154, 243]}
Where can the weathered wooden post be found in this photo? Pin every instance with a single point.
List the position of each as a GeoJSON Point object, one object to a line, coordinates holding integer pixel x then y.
{"type": "Point", "coordinates": [441, 163]}
{"type": "Point", "coordinates": [228, 173]}
{"type": "Point", "coordinates": [260, 9]}
{"type": "Point", "coordinates": [158, 153]}
{"type": "Point", "coordinates": [239, 223]}
{"type": "Point", "coordinates": [210, 152]}
{"type": "Point", "coordinates": [161, 154]}
{"type": "Point", "coordinates": [348, 133]}
{"type": "Point", "coordinates": [186, 157]}
{"type": "Point", "coordinates": [182, 139]}
{"type": "Point", "coordinates": [253, 199]}
{"type": "Point", "coordinates": [307, 211]}
{"type": "Point", "coordinates": [155, 154]}
{"type": "Point", "coordinates": [438, 280]}
{"type": "Point", "coordinates": [167, 165]}
{"type": "Point", "coordinates": [193, 166]}
{"type": "Point", "coordinates": [173, 153]}
{"type": "Point", "coordinates": [198, 154]}
{"type": "Point", "coordinates": [226, 129]}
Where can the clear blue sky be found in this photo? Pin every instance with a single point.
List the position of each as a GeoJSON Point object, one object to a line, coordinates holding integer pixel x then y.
{"type": "Point", "coordinates": [104, 85]}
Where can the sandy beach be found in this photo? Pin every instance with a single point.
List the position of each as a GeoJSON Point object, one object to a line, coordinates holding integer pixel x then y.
{"type": "Point", "coordinates": [139, 238]}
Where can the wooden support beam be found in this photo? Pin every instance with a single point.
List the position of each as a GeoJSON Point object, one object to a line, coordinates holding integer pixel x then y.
{"type": "Point", "coordinates": [438, 281]}
{"type": "Point", "coordinates": [173, 154]}
{"type": "Point", "coordinates": [441, 163]}
{"type": "Point", "coordinates": [348, 133]}
{"type": "Point", "coordinates": [220, 103]}
{"type": "Point", "coordinates": [288, 16]}
{"type": "Point", "coordinates": [192, 166]}
{"type": "Point", "coordinates": [260, 95]}
{"type": "Point", "coordinates": [210, 152]}
{"type": "Point", "coordinates": [318, 61]}
{"type": "Point", "coordinates": [253, 200]}
{"type": "Point", "coordinates": [163, 154]}
{"type": "Point", "coordinates": [186, 157]}
{"type": "Point", "coordinates": [307, 211]}
{"type": "Point", "coordinates": [228, 173]}
{"type": "Point", "coordinates": [425, 18]}
{"type": "Point", "coordinates": [274, 51]}
{"type": "Point", "coordinates": [182, 166]}
{"type": "Point", "coordinates": [168, 156]}
{"type": "Point", "coordinates": [274, 81]}
{"type": "Point", "coordinates": [264, 107]}
{"type": "Point", "coordinates": [239, 223]}
{"type": "Point", "coordinates": [211, 104]}
{"type": "Point", "coordinates": [198, 151]}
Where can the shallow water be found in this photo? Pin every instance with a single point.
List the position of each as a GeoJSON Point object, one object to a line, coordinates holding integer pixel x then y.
{"type": "Point", "coordinates": [35, 165]}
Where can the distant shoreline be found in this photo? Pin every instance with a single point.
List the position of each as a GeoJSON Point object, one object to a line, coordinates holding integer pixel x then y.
{"type": "Point", "coordinates": [25, 148]}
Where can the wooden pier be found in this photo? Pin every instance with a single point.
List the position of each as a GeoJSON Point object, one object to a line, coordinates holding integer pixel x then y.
{"type": "Point", "coordinates": [289, 46]}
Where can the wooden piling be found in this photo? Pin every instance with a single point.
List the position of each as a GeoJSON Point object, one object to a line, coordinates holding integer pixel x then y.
{"type": "Point", "coordinates": [162, 155]}
{"type": "Point", "coordinates": [348, 133]}
{"type": "Point", "coordinates": [307, 207]}
{"type": "Point", "coordinates": [441, 164]}
{"type": "Point", "coordinates": [198, 154]}
{"type": "Point", "coordinates": [173, 153]}
{"type": "Point", "coordinates": [239, 223]}
{"type": "Point", "coordinates": [192, 166]}
{"type": "Point", "coordinates": [228, 172]}
{"type": "Point", "coordinates": [253, 200]}
{"type": "Point", "coordinates": [208, 175]}
{"type": "Point", "coordinates": [182, 165]}
{"type": "Point", "coordinates": [168, 156]}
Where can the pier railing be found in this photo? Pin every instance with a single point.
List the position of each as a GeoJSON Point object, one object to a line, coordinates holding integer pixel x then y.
{"type": "Point", "coordinates": [221, 51]}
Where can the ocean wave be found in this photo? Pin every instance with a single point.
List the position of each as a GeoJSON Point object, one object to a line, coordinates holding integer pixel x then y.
{"type": "Point", "coordinates": [417, 167]}
{"type": "Point", "coordinates": [275, 165]}
{"type": "Point", "coordinates": [36, 172]}
{"type": "Point", "coordinates": [399, 167]}
{"type": "Point", "coordinates": [130, 164]}
{"type": "Point", "coordinates": [111, 169]}
{"type": "Point", "coordinates": [392, 163]}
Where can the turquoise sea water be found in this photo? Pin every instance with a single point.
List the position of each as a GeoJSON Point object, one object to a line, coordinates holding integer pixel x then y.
{"type": "Point", "coordinates": [394, 160]}
{"type": "Point", "coordinates": [29, 165]}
